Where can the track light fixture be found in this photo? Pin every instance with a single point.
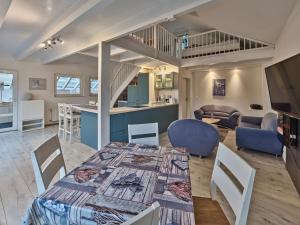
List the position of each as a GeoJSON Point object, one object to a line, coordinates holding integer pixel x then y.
{"type": "Point", "coordinates": [51, 42]}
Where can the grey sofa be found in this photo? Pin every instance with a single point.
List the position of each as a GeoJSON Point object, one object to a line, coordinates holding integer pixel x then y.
{"type": "Point", "coordinates": [198, 137]}
{"type": "Point", "coordinates": [260, 134]}
{"type": "Point", "coordinates": [228, 115]}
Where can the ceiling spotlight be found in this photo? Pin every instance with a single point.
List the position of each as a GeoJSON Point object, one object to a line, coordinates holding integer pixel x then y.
{"type": "Point", "coordinates": [51, 42]}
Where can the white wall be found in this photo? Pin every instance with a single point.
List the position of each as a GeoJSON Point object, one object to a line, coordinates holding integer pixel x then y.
{"type": "Point", "coordinates": [288, 43]}
{"type": "Point", "coordinates": [25, 70]}
{"type": "Point", "coordinates": [245, 85]}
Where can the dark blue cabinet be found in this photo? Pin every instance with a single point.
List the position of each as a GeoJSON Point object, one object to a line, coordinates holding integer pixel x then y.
{"type": "Point", "coordinates": [139, 94]}
{"type": "Point", "coordinates": [89, 129]}
{"type": "Point", "coordinates": [163, 115]}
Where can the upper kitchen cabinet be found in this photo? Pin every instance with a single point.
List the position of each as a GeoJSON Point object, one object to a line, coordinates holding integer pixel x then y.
{"type": "Point", "coordinates": [165, 81]}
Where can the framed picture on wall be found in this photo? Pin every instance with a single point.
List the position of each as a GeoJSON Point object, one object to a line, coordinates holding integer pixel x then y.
{"type": "Point", "coordinates": [37, 84]}
{"type": "Point", "coordinates": [219, 87]}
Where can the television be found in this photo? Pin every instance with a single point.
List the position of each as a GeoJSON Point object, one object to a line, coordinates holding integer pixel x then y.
{"type": "Point", "coordinates": [283, 80]}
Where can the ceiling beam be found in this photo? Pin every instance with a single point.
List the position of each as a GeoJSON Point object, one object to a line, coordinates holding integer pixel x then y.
{"type": "Point", "coordinates": [61, 22]}
{"type": "Point", "coordinates": [4, 6]}
{"type": "Point", "coordinates": [129, 56]}
{"type": "Point", "coordinates": [95, 55]}
{"type": "Point", "coordinates": [117, 51]}
{"type": "Point", "coordinates": [114, 52]}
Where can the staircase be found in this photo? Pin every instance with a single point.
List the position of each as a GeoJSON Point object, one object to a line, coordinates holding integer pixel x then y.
{"type": "Point", "coordinates": [122, 75]}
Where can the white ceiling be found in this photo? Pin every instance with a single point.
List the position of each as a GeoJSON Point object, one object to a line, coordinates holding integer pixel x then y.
{"type": "Point", "coordinates": [258, 19]}
{"type": "Point", "coordinates": [89, 56]}
{"type": "Point", "coordinates": [26, 19]}
{"type": "Point", "coordinates": [111, 18]}
{"type": "Point", "coordinates": [3, 10]}
{"type": "Point", "coordinates": [84, 23]}
{"type": "Point", "coordinates": [78, 58]}
{"type": "Point", "coordinates": [187, 23]}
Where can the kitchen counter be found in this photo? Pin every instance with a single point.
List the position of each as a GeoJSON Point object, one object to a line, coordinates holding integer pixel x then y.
{"type": "Point", "coordinates": [120, 118]}
{"type": "Point", "coordinates": [94, 109]}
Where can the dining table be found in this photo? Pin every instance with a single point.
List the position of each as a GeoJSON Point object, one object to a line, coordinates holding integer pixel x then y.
{"type": "Point", "coordinates": [117, 183]}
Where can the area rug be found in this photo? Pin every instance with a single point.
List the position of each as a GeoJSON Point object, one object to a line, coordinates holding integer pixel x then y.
{"type": "Point", "coordinates": [208, 212]}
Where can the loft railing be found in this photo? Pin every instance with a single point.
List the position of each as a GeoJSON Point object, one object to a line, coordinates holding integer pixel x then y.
{"type": "Point", "coordinates": [217, 42]}
{"type": "Point", "coordinates": [157, 37]}
{"type": "Point", "coordinates": [198, 45]}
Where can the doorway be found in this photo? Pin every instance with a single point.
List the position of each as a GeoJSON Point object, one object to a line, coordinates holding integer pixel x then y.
{"type": "Point", "coordinates": [8, 101]}
{"type": "Point", "coordinates": [187, 98]}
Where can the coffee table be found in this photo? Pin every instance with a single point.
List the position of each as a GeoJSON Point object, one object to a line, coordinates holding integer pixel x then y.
{"type": "Point", "coordinates": [210, 120]}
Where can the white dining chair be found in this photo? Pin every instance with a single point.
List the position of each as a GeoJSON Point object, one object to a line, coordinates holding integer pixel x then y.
{"type": "Point", "coordinates": [150, 216]}
{"type": "Point", "coordinates": [61, 119]}
{"type": "Point", "coordinates": [47, 161]}
{"type": "Point", "coordinates": [143, 134]}
{"type": "Point", "coordinates": [238, 199]}
{"type": "Point", "coordinates": [72, 122]}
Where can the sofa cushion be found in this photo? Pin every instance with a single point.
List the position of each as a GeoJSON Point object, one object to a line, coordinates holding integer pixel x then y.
{"type": "Point", "coordinates": [269, 122]}
{"type": "Point", "coordinates": [249, 125]}
{"type": "Point", "coordinates": [208, 108]}
{"type": "Point", "coordinates": [219, 108]}
{"type": "Point", "coordinates": [223, 114]}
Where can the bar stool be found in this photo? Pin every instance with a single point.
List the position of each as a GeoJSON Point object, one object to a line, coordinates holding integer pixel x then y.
{"type": "Point", "coordinates": [72, 122]}
{"type": "Point", "coordinates": [61, 119]}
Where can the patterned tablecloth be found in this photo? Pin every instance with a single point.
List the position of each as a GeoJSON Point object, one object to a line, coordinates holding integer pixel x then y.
{"type": "Point", "coordinates": [117, 183]}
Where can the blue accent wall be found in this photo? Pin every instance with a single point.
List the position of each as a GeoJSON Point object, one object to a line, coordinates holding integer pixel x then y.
{"type": "Point", "coordinates": [139, 94]}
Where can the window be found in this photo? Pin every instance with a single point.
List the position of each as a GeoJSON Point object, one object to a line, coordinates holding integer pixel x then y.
{"type": "Point", "coordinates": [68, 85]}
{"type": "Point", "coordinates": [93, 86]}
{"type": "Point", "coordinates": [6, 83]}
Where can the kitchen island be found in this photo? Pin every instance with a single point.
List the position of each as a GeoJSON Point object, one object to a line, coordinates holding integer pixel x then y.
{"type": "Point", "coordinates": [120, 117]}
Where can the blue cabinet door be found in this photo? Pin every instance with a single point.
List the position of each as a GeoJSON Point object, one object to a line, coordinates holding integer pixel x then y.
{"type": "Point", "coordinates": [143, 88]}
{"type": "Point", "coordinates": [139, 94]}
{"type": "Point", "coordinates": [89, 129]}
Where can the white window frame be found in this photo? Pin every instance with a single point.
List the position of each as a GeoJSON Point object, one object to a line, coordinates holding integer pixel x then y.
{"type": "Point", "coordinates": [90, 79]}
{"type": "Point", "coordinates": [81, 94]}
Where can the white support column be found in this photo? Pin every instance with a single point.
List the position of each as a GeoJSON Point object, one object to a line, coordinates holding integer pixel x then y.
{"type": "Point", "coordinates": [185, 107]}
{"type": "Point", "coordinates": [103, 94]}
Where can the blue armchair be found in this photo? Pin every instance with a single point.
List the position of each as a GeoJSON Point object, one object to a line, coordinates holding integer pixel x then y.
{"type": "Point", "coordinates": [260, 134]}
{"type": "Point", "coordinates": [198, 137]}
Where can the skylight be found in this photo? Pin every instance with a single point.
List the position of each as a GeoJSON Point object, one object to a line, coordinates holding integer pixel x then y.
{"type": "Point", "coordinates": [94, 86]}
{"type": "Point", "coordinates": [68, 85]}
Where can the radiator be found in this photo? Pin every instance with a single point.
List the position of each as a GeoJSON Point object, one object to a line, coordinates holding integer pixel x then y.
{"type": "Point", "coordinates": [54, 114]}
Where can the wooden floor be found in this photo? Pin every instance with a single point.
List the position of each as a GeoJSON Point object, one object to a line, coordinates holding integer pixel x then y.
{"type": "Point", "coordinates": [275, 200]}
